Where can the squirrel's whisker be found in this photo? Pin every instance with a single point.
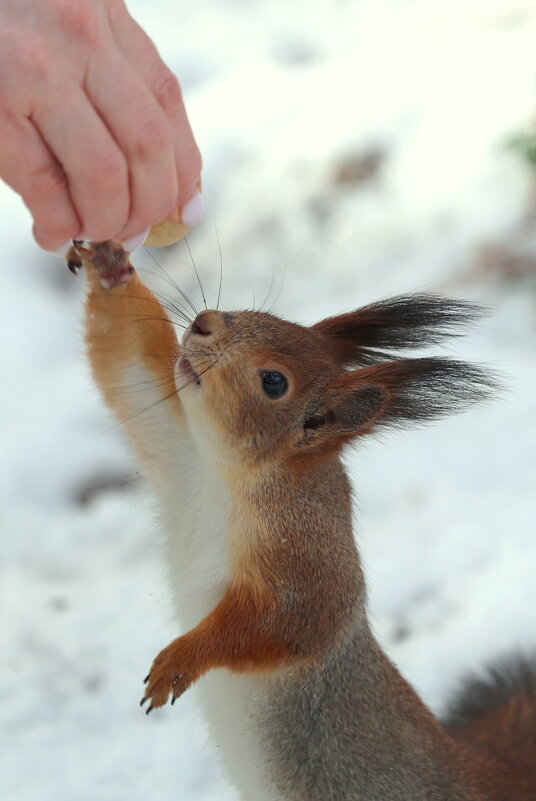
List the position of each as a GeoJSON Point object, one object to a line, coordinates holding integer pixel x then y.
{"type": "Point", "coordinates": [279, 292]}
{"type": "Point", "coordinates": [221, 265]}
{"type": "Point", "coordinates": [265, 301]}
{"type": "Point", "coordinates": [173, 283]}
{"type": "Point", "coordinates": [175, 303]}
{"type": "Point", "coordinates": [196, 271]}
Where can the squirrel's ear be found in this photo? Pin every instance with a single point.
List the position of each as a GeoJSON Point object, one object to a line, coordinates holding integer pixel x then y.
{"type": "Point", "coordinates": [407, 391]}
{"type": "Point", "coordinates": [363, 336]}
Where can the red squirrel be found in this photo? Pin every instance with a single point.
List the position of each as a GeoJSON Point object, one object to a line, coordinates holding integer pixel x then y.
{"type": "Point", "coordinates": [239, 429]}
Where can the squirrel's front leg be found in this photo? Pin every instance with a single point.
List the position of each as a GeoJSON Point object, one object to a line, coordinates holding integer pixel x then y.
{"type": "Point", "coordinates": [241, 634]}
{"type": "Point", "coordinates": [132, 345]}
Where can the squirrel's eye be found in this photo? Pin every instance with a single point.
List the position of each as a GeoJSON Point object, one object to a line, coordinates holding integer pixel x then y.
{"type": "Point", "coordinates": [273, 383]}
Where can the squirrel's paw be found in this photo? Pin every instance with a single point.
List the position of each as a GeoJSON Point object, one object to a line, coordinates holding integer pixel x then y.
{"type": "Point", "coordinates": [168, 676]}
{"type": "Point", "coordinates": [109, 259]}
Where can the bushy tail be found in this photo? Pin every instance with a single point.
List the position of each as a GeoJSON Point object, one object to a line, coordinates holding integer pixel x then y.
{"type": "Point", "coordinates": [497, 714]}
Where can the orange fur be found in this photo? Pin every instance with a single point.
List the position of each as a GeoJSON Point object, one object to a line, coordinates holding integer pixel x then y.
{"type": "Point", "coordinates": [126, 326]}
{"type": "Point", "coordinates": [131, 317]}
{"type": "Point", "coordinates": [236, 635]}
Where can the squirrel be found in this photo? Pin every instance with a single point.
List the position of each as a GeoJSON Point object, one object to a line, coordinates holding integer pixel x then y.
{"type": "Point", "coordinates": [239, 429]}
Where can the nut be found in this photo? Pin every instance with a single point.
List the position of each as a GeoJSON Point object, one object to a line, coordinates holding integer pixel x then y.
{"type": "Point", "coordinates": [166, 232]}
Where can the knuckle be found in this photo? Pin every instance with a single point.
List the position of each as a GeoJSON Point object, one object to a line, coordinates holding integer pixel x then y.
{"type": "Point", "coordinates": [152, 138]}
{"type": "Point", "coordinates": [32, 64]}
{"type": "Point", "coordinates": [116, 9]}
{"type": "Point", "coordinates": [13, 44]}
{"type": "Point", "coordinates": [79, 20]}
{"type": "Point", "coordinates": [168, 93]}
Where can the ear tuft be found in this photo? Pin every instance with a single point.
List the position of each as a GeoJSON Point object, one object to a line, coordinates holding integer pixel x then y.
{"type": "Point", "coordinates": [369, 335]}
{"type": "Point", "coordinates": [425, 389]}
{"type": "Point", "coordinates": [394, 394]}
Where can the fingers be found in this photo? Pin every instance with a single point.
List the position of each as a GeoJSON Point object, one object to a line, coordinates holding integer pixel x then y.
{"type": "Point", "coordinates": [166, 90]}
{"type": "Point", "coordinates": [93, 130]}
{"type": "Point", "coordinates": [96, 169]}
{"type": "Point", "coordinates": [30, 168]}
{"type": "Point", "coordinates": [144, 136]}
{"type": "Point", "coordinates": [141, 53]}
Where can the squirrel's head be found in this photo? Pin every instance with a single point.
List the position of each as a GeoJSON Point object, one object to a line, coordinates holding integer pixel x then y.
{"type": "Point", "coordinates": [264, 389]}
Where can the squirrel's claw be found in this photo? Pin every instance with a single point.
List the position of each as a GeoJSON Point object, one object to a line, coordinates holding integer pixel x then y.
{"type": "Point", "coordinates": [109, 259]}
{"type": "Point", "coordinates": [167, 677]}
{"type": "Point", "coordinates": [74, 265]}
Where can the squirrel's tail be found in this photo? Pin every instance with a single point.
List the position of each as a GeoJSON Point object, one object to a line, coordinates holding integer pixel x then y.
{"type": "Point", "coordinates": [497, 715]}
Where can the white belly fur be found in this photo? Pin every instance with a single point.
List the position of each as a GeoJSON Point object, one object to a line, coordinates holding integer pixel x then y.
{"type": "Point", "coordinates": [194, 520]}
{"type": "Point", "coordinates": [193, 512]}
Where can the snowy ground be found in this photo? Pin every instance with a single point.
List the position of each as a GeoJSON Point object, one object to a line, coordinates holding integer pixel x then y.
{"type": "Point", "coordinates": [352, 151]}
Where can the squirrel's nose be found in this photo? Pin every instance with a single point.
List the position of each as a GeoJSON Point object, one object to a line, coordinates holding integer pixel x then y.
{"type": "Point", "coordinates": [202, 325]}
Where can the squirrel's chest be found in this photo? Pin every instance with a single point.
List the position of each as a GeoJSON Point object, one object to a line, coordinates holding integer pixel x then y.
{"type": "Point", "coordinates": [194, 508]}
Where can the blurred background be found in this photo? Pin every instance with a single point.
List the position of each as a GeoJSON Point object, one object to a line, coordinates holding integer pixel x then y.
{"type": "Point", "coordinates": [353, 149]}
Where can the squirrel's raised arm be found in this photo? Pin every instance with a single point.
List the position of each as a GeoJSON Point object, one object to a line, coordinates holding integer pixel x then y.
{"type": "Point", "coordinates": [132, 345]}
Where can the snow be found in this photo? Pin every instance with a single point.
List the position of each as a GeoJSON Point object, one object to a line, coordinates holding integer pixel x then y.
{"type": "Point", "coordinates": [280, 96]}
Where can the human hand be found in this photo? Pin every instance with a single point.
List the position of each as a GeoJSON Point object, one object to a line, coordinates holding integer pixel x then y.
{"type": "Point", "coordinates": [93, 131]}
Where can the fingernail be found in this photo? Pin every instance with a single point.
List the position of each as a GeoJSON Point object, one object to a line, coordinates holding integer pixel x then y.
{"type": "Point", "coordinates": [63, 250]}
{"type": "Point", "coordinates": [193, 212]}
{"type": "Point", "coordinates": [135, 242]}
